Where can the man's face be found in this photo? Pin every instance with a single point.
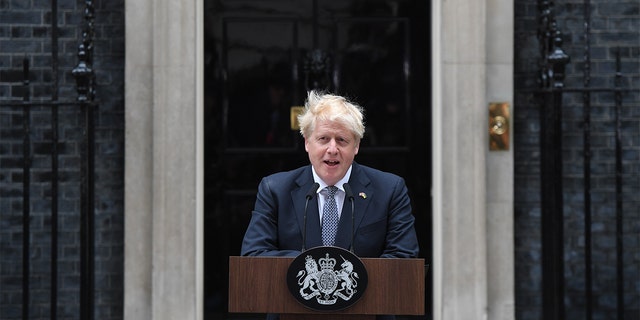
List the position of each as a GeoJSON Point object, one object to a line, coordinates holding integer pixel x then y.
{"type": "Point", "coordinates": [331, 148]}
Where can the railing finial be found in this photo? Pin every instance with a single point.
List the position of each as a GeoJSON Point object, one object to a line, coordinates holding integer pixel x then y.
{"type": "Point", "coordinates": [83, 72]}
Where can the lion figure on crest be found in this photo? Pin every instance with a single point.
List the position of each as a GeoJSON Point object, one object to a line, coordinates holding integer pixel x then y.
{"type": "Point", "coordinates": [308, 278]}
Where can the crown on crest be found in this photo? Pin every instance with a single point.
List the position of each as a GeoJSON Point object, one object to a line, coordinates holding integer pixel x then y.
{"type": "Point", "coordinates": [327, 263]}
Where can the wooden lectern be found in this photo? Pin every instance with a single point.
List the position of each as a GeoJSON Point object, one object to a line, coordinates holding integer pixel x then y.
{"type": "Point", "coordinates": [259, 285]}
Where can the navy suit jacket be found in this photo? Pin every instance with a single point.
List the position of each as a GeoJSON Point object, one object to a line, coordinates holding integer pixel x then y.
{"type": "Point", "coordinates": [384, 224]}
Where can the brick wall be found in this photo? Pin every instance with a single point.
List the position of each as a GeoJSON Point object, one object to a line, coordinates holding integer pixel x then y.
{"type": "Point", "coordinates": [614, 26]}
{"type": "Point", "coordinates": [25, 33]}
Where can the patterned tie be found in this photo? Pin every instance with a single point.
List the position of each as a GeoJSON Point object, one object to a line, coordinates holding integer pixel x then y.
{"type": "Point", "coordinates": [330, 217]}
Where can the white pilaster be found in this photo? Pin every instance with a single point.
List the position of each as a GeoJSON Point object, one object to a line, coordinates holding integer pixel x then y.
{"type": "Point", "coordinates": [138, 198]}
{"type": "Point", "coordinates": [163, 160]}
{"type": "Point", "coordinates": [500, 164]}
{"type": "Point", "coordinates": [473, 187]}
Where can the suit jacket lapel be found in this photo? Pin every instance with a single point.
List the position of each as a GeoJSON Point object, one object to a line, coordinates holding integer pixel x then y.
{"type": "Point", "coordinates": [298, 196]}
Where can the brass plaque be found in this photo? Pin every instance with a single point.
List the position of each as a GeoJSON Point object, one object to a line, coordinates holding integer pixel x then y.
{"type": "Point", "coordinates": [294, 112]}
{"type": "Point", "coordinates": [499, 117]}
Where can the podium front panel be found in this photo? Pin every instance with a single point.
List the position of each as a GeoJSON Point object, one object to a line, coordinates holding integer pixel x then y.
{"type": "Point", "coordinates": [259, 285]}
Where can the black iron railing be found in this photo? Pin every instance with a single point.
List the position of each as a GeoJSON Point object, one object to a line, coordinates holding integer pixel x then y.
{"type": "Point", "coordinates": [551, 93]}
{"type": "Point", "coordinates": [84, 105]}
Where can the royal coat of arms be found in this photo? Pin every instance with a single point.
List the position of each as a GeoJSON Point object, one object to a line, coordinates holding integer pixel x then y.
{"type": "Point", "coordinates": [330, 282]}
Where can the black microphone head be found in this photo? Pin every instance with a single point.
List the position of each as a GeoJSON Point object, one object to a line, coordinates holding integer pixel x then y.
{"type": "Point", "coordinates": [313, 190]}
{"type": "Point", "coordinates": [347, 190]}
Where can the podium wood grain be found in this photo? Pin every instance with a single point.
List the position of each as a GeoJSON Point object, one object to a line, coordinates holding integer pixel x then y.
{"type": "Point", "coordinates": [259, 285]}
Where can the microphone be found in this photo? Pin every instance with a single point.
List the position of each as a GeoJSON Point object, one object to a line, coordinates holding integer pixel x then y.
{"type": "Point", "coordinates": [349, 195]}
{"type": "Point", "coordinates": [309, 196]}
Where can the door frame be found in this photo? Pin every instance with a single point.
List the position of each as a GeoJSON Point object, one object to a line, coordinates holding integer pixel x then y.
{"type": "Point", "coordinates": [472, 62]}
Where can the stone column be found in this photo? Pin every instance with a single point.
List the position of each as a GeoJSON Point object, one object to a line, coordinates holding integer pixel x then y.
{"type": "Point", "coordinates": [500, 164]}
{"type": "Point", "coordinates": [163, 160]}
{"type": "Point", "coordinates": [473, 187]}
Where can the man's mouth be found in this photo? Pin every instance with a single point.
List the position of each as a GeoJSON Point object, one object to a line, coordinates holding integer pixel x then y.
{"type": "Point", "coordinates": [331, 163]}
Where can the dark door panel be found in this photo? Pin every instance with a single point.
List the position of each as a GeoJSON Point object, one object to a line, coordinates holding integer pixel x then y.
{"type": "Point", "coordinates": [261, 57]}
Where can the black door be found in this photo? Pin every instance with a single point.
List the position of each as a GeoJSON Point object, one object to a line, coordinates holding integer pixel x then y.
{"type": "Point", "coordinates": [261, 57]}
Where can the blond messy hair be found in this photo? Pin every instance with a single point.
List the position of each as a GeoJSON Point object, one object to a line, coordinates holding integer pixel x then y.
{"type": "Point", "coordinates": [324, 106]}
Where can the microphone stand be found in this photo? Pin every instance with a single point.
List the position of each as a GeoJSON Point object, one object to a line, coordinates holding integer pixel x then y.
{"type": "Point", "coordinates": [349, 194]}
{"type": "Point", "coordinates": [310, 194]}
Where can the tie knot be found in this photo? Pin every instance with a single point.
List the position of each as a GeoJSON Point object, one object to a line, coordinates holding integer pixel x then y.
{"type": "Point", "coordinates": [332, 190]}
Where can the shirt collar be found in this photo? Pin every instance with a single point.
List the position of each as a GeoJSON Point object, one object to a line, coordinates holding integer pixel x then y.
{"type": "Point", "coordinates": [323, 184]}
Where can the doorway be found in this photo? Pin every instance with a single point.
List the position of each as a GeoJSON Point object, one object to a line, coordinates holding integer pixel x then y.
{"type": "Point", "coordinates": [261, 57]}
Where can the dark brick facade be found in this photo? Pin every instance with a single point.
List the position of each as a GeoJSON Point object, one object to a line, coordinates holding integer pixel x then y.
{"type": "Point", "coordinates": [25, 32]}
{"type": "Point", "coordinates": [615, 25]}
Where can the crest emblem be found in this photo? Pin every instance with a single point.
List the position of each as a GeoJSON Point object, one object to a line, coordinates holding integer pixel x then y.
{"type": "Point", "coordinates": [327, 278]}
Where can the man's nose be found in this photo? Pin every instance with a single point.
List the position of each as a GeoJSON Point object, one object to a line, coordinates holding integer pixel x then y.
{"type": "Point", "coordinates": [333, 146]}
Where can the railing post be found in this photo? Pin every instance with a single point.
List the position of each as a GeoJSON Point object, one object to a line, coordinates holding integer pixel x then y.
{"type": "Point", "coordinates": [85, 80]}
{"type": "Point", "coordinates": [619, 194]}
{"type": "Point", "coordinates": [586, 134]}
{"type": "Point", "coordinates": [551, 79]}
{"type": "Point", "coordinates": [26, 186]}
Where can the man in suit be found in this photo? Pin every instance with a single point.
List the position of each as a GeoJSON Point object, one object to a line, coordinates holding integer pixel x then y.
{"type": "Point", "coordinates": [383, 225]}
{"type": "Point", "coordinates": [289, 207]}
